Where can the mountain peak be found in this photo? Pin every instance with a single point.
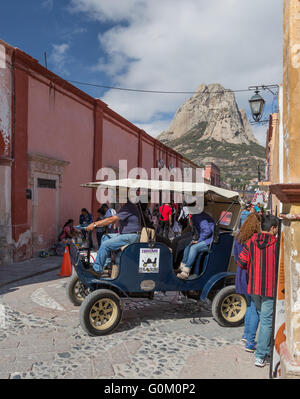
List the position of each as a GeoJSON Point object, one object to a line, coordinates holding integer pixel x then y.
{"type": "Point", "coordinates": [209, 127]}
{"type": "Point", "coordinates": [216, 107]}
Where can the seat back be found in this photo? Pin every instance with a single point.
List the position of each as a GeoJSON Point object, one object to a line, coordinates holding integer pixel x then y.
{"type": "Point", "coordinates": [147, 234]}
{"type": "Point", "coordinates": [216, 260]}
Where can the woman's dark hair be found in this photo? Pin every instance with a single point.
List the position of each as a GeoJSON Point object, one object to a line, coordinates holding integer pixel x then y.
{"type": "Point", "coordinates": [101, 211]}
{"type": "Point", "coordinates": [68, 222]}
{"type": "Point", "coordinates": [84, 210]}
{"type": "Point", "coordinates": [269, 221]}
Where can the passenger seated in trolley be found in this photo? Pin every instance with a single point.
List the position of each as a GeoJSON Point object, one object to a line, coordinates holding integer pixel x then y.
{"type": "Point", "coordinates": [204, 226]}
{"type": "Point", "coordinates": [129, 232]}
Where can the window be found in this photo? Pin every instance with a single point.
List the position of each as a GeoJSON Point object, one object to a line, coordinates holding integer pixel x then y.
{"type": "Point", "coordinates": [225, 218]}
{"type": "Point", "coordinates": [46, 183]}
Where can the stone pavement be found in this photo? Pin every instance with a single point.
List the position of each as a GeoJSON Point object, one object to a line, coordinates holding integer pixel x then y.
{"type": "Point", "coordinates": [169, 337]}
{"type": "Point", "coordinates": [10, 273]}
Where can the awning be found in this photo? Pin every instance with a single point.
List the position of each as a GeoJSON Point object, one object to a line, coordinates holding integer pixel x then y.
{"type": "Point", "coordinates": [163, 185]}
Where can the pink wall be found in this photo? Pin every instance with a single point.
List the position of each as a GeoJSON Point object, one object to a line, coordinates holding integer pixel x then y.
{"type": "Point", "coordinates": [46, 229]}
{"type": "Point", "coordinates": [118, 144]}
{"type": "Point", "coordinates": [63, 128]}
{"type": "Point", "coordinates": [147, 161]}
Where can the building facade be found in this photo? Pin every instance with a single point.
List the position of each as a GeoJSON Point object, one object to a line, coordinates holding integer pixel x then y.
{"type": "Point", "coordinates": [212, 174]}
{"type": "Point", "coordinates": [54, 137]}
{"type": "Point", "coordinates": [283, 171]}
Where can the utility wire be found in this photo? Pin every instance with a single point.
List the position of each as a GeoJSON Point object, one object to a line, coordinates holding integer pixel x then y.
{"type": "Point", "coordinates": [156, 91]}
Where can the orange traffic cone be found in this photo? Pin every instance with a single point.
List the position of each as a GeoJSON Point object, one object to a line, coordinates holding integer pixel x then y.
{"type": "Point", "coordinates": [66, 267]}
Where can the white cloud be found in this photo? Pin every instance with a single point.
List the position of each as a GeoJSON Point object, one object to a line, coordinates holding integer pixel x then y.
{"type": "Point", "coordinates": [178, 45]}
{"type": "Point", "coordinates": [155, 127]}
{"type": "Point", "coordinates": [109, 10]}
{"type": "Point", "coordinates": [58, 57]}
{"type": "Point", "coordinates": [260, 132]}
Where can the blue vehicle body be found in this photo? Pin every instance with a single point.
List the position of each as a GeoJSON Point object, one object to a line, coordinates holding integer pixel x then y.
{"type": "Point", "coordinates": [210, 269]}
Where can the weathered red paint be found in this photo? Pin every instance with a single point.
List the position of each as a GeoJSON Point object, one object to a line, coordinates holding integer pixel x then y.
{"type": "Point", "coordinates": [2, 145]}
{"type": "Point", "coordinates": [20, 165]}
{"type": "Point", "coordinates": [98, 143]}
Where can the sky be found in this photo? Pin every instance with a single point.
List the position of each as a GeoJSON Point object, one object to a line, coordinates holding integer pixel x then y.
{"type": "Point", "coordinates": [169, 45]}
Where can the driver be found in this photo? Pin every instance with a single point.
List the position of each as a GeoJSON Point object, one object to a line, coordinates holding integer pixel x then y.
{"type": "Point", "coordinates": [129, 232]}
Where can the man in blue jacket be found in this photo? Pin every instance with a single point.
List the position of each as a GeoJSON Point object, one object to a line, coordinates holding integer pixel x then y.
{"type": "Point", "coordinates": [204, 226]}
{"type": "Point", "coordinates": [85, 219]}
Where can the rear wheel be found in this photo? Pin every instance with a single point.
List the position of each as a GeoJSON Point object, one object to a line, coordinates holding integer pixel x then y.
{"type": "Point", "coordinates": [76, 290]}
{"type": "Point", "coordinates": [100, 312]}
{"type": "Point", "coordinates": [229, 308]}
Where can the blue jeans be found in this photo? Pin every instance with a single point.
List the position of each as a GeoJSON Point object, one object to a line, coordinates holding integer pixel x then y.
{"type": "Point", "coordinates": [264, 306]}
{"type": "Point", "coordinates": [251, 320]}
{"type": "Point", "coordinates": [191, 252]}
{"type": "Point", "coordinates": [111, 242]}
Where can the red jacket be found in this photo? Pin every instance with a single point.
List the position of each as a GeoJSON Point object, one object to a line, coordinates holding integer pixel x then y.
{"type": "Point", "coordinates": [258, 258]}
{"type": "Point", "coordinates": [165, 211]}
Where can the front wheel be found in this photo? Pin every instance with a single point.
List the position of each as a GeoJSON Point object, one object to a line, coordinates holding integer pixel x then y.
{"type": "Point", "coordinates": [229, 308]}
{"type": "Point", "coordinates": [100, 312]}
{"type": "Point", "coordinates": [76, 290]}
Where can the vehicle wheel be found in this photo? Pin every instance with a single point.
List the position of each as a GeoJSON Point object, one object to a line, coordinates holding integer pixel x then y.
{"type": "Point", "coordinates": [228, 307]}
{"type": "Point", "coordinates": [76, 290]}
{"type": "Point", "coordinates": [100, 312]}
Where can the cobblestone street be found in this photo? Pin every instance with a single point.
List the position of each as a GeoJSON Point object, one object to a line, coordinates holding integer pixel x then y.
{"type": "Point", "coordinates": [40, 337]}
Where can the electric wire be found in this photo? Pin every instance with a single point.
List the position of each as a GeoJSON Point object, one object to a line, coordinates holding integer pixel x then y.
{"type": "Point", "coordinates": [155, 91]}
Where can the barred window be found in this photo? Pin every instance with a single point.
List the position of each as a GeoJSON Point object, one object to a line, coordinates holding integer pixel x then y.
{"type": "Point", "coordinates": [46, 183]}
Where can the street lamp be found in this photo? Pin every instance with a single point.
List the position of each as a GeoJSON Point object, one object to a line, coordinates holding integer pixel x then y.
{"type": "Point", "coordinates": [257, 104]}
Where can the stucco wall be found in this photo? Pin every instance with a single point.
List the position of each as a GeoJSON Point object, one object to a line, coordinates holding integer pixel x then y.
{"type": "Point", "coordinates": [291, 174]}
{"type": "Point", "coordinates": [291, 93]}
{"type": "Point", "coordinates": [63, 128]}
{"type": "Point", "coordinates": [118, 144]}
{"type": "Point", "coordinates": [147, 159]}
{"type": "Point", "coordinates": [5, 103]}
{"type": "Point", "coordinates": [5, 153]}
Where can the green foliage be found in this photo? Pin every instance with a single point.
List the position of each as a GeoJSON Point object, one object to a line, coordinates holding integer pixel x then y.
{"type": "Point", "coordinates": [238, 162]}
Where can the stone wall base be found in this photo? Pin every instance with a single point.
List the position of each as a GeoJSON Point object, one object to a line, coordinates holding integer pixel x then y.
{"type": "Point", "coordinates": [290, 369]}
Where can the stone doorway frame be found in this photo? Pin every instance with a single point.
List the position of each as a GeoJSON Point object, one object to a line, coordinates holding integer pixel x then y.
{"type": "Point", "coordinates": [45, 167]}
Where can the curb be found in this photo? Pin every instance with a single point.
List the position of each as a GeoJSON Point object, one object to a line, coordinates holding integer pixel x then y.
{"type": "Point", "coordinates": [29, 276]}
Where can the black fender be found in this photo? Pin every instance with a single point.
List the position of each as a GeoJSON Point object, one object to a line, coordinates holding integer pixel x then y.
{"type": "Point", "coordinates": [109, 286]}
{"type": "Point", "coordinates": [212, 281]}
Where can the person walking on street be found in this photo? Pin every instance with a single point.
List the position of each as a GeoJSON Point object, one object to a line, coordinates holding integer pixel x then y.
{"type": "Point", "coordinates": [183, 218]}
{"type": "Point", "coordinates": [258, 258]}
{"type": "Point", "coordinates": [155, 217]}
{"type": "Point", "coordinates": [250, 226]}
{"type": "Point", "coordinates": [245, 213]}
{"type": "Point", "coordinates": [85, 219]}
{"type": "Point", "coordinates": [165, 220]}
{"type": "Point", "coordinates": [257, 207]}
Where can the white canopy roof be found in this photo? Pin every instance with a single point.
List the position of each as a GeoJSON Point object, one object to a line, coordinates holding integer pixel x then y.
{"type": "Point", "coordinates": [156, 185]}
